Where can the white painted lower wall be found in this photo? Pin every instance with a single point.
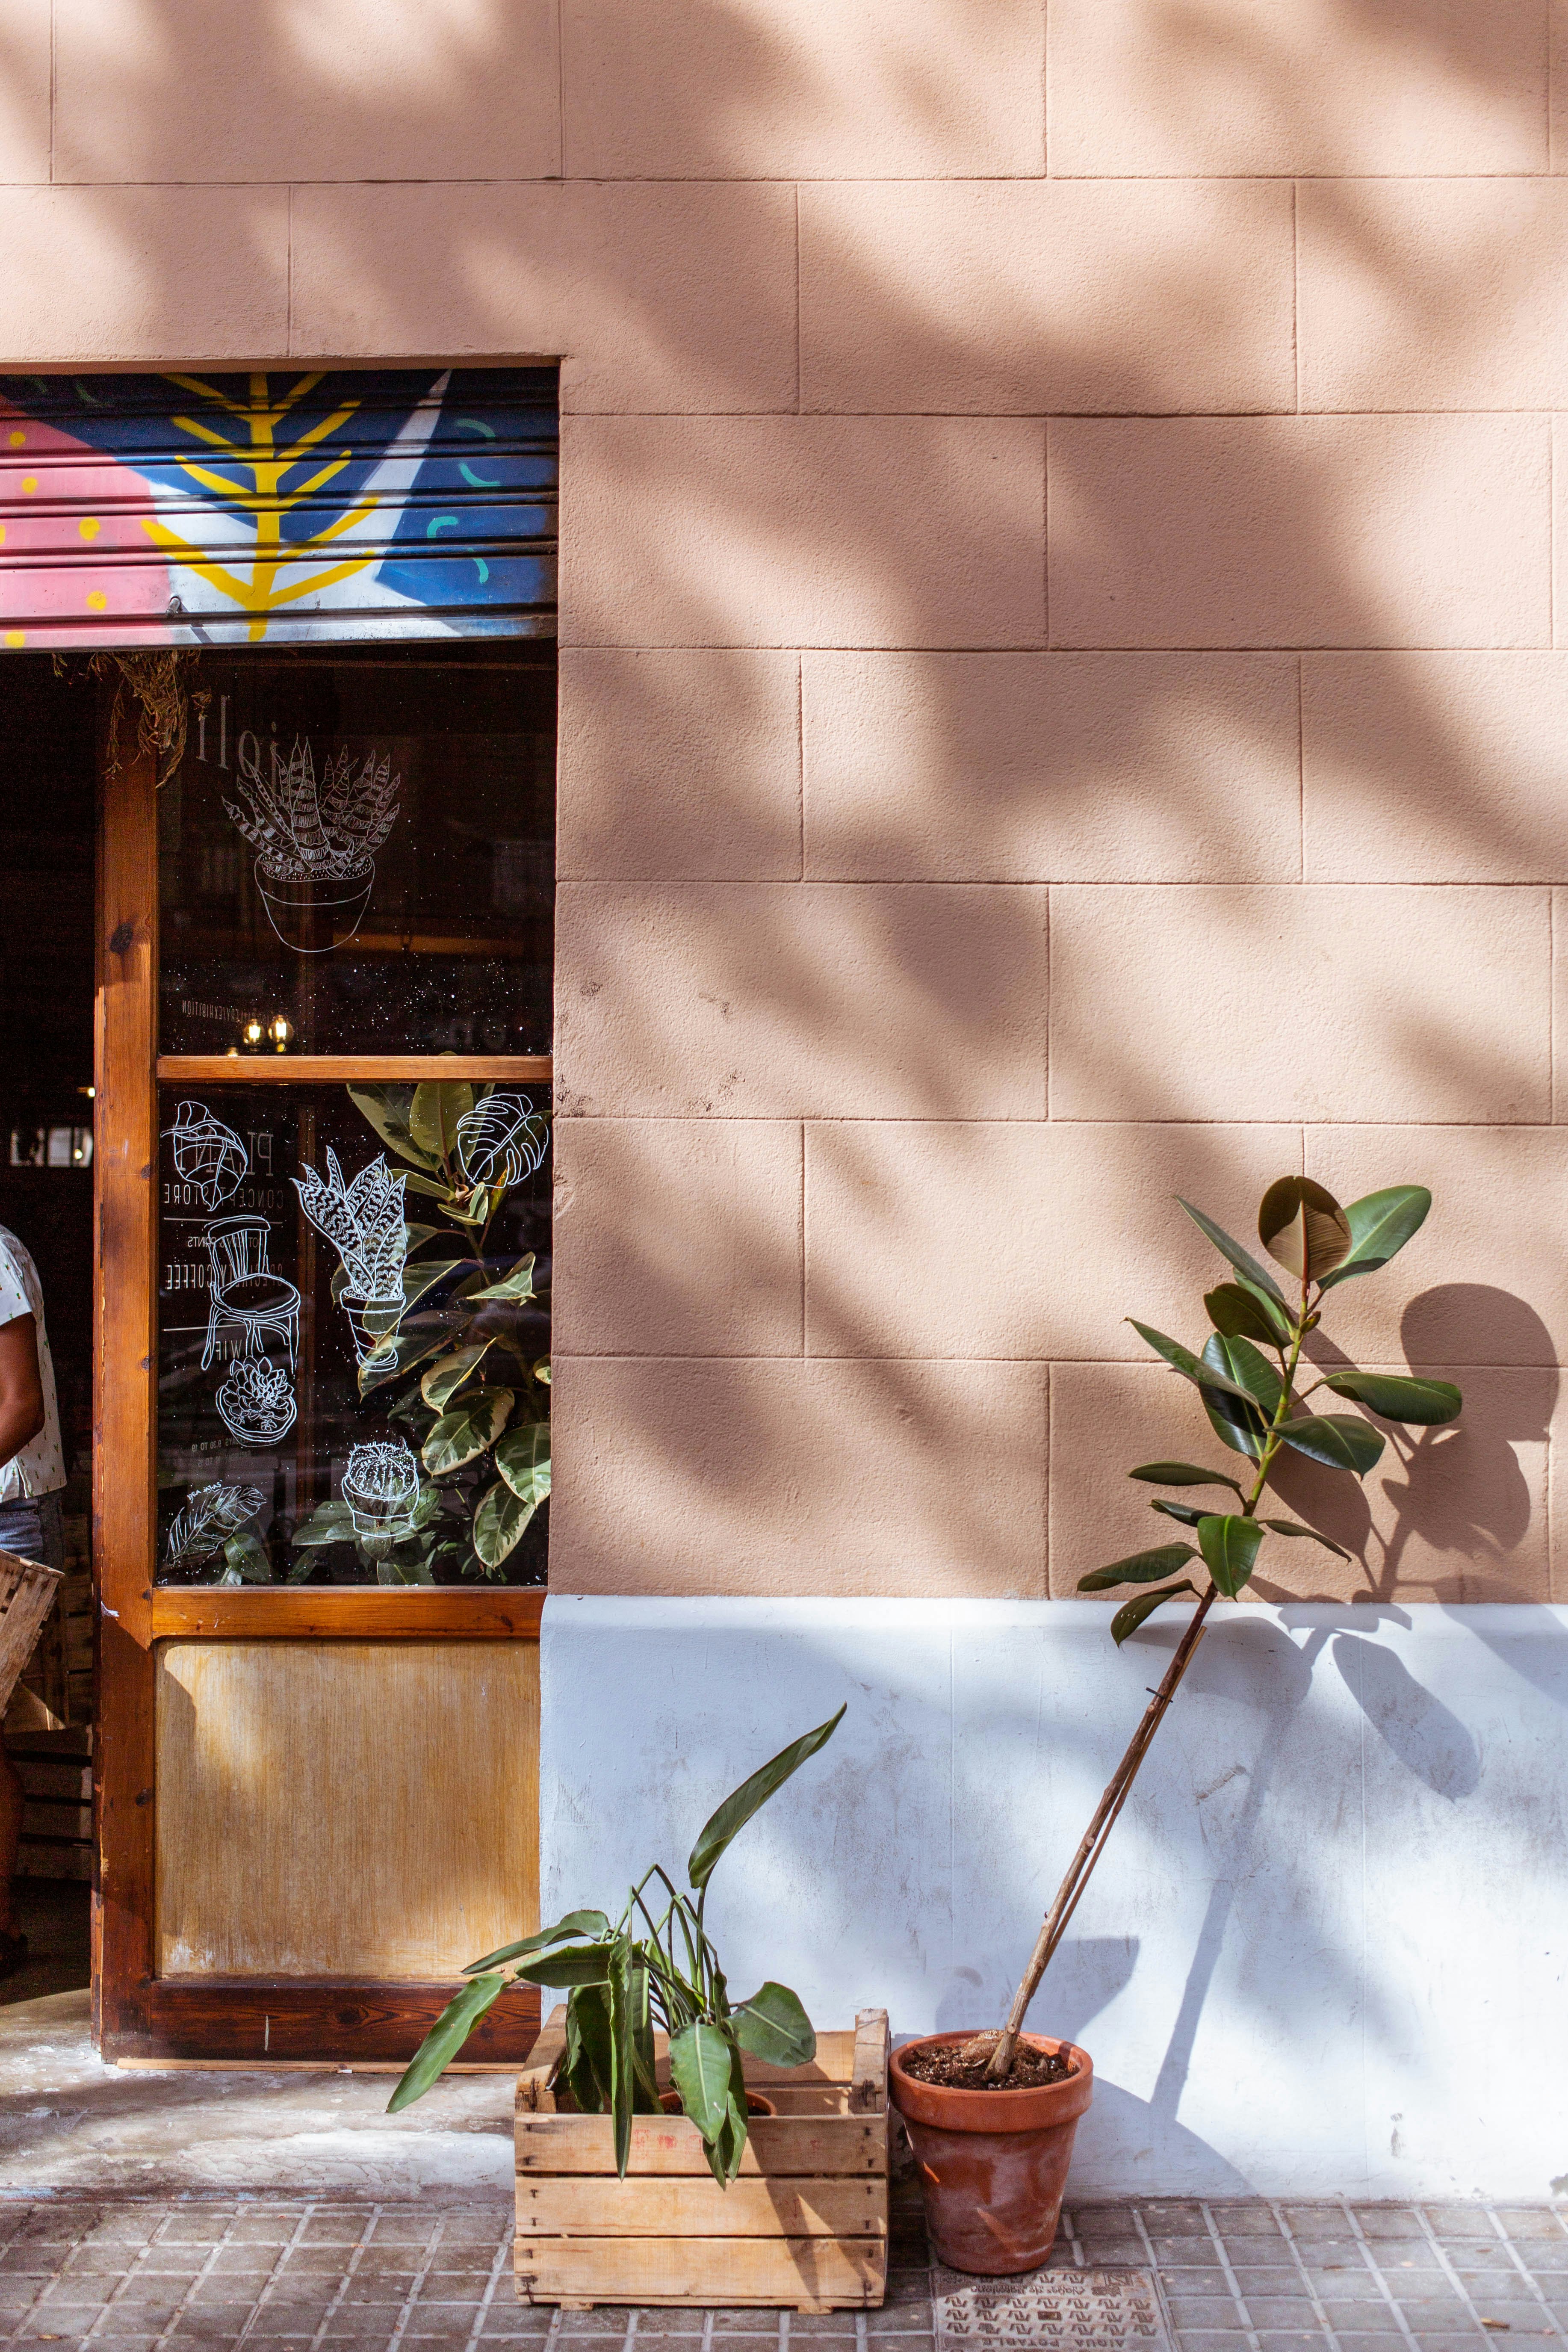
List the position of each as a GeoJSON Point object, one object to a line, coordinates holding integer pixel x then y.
{"type": "Point", "coordinates": [1325, 1950]}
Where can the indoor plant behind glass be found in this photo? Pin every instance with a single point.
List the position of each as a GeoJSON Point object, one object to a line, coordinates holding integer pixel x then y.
{"type": "Point", "coordinates": [993, 2143]}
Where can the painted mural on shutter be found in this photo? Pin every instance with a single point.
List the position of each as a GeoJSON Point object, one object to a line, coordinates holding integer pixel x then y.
{"type": "Point", "coordinates": [276, 508]}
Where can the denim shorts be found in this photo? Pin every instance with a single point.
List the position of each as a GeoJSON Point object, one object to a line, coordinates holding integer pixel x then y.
{"type": "Point", "coordinates": [32, 1528]}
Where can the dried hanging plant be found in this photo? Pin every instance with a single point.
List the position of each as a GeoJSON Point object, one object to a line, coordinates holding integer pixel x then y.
{"type": "Point", "coordinates": [155, 683]}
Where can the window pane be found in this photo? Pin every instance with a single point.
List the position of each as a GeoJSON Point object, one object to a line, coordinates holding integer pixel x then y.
{"type": "Point", "coordinates": [362, 848]}
{"type": "Point", "coordinates": [353, 1334]}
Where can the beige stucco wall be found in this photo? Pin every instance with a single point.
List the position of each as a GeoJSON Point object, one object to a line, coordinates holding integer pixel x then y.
{"type": "Point", "coordinates": [1060, 702]}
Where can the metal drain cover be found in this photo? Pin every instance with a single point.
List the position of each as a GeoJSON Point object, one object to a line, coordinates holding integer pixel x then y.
{"type": "Point", "coordinates": [1089, 2311]}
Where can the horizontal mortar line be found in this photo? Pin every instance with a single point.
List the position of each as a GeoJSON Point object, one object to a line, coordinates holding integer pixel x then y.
{"type": "Point", "coordinates": [1037, 1118]}
{"type": "Point", "coordinates": [1011, 647]}
{"type": "Point", "coordinates": [1385, 1364]}
{"type": "Point", "coordinates": [1057, 882]}
{"type": "Point", "coordinates": [807, 179]}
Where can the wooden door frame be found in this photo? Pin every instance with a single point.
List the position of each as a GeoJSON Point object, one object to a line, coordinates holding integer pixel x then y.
{"type": "Point", "coordinates": [137, 2014]}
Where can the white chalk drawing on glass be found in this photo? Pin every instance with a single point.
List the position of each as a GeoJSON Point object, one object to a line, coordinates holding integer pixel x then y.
{"type": "Point", "coordinates": [315, 844]}
{"type": "Point", "coordinates": [207, 1155]}
{"type": "Point", "coordinates": [204, 1523]}
{"type": "Point", "coordinates": [244, 1295]}
{"type": "Point", "coordinates": [381, 1487]}
{"type": "Point", "coordinates": [363, 1222]}
{"type": "Point", "coordinates": [255, 1401]}
{"type": "Point", "coordinates": [500, 1140]}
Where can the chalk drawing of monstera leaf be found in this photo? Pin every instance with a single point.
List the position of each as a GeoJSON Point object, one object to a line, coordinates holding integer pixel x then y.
{"type": "Point", "coordinates": [501, 1141]}
{"type": "Point", "coordinates": [205, 1522]}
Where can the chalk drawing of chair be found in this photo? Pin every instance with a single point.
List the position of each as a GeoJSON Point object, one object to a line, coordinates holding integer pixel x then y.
{"type": "Point", "coordinates": [243, 1290]}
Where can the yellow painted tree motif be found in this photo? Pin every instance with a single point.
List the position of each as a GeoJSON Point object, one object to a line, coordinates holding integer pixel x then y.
{"type": "Point", "coordinates": [276, 578]}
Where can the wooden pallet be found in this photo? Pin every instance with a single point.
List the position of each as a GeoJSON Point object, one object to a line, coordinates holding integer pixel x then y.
{"type": "Point", "coordinates": [804, 2224]}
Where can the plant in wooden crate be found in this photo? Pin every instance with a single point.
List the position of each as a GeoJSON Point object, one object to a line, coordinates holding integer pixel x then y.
{"type": "Point", "coordinates": [1005, 2102]}
{"type": "Point", "coordinates": [650, 2056]}
{"type": "Point", "coordinates": [477, 1333]}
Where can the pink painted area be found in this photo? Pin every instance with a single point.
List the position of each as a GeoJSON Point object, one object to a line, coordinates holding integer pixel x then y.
{"type": "Point", "coordinates": [75, 556]}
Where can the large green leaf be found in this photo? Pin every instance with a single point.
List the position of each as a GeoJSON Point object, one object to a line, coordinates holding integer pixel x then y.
{"type": "Point", "coordinates": [1188, 1514]}
{"type": "Point", "coordinates": [699, 2070]}
{"type": "Point", "coordinates": [1292, 1527]}
{"type": "Point", "coordinates": [1233, 1251]}
{"type": "Point", "coordinates": [423, 1275]}
{"type": "Point", "coordinates": [1131, 1613]}
{"type": "Point", "coordinates": [1240, 1423]}
{"type": "Point", "coordinates": [750, 1796]}
{"type": "Point", "coordinates": [725, 2154]}
{"type": "Point", "coordinates": [1422, 1403]}
{"type": "Point", "coordinates": [590, 1924]}
{"type": "Point", "coordinates": [445, 2039]}
{"type": "Point", "coordinates": [623, 2054]}
{"type": "Point", "coordinates": [462, 1435]}
{"type": "Point", "coordinates": [1181, 1473]}
{"type": "Point", "coordinates": [1138, 1567]}
{"type": "Point", "coordinates": [1229, 1546]}
{"type": "Point", "coordinates": [406, 1347]}
{"type": "Point", "coordinates": [518, 1284]}
{"type": "Point", "coordinates": [434, 1114]}
{"type": "Point", "coordinates": [1242, 1311]}
{"type": "Point", "coordinates": [387, 1110]}
{"type": "Point", "coordinates": [441, 1383]}
{"type": "Point", "coordinates": [1245, 1369]}
{"type": "Point", "coordinates": [571, 1964]}
{"type": "Point", "coordinates": [1303, 1228]}
{"type": "Point", "coordinates": [774, 2026]}
{"type": "Point", "coordinates": [247, 1559]}
{"type": "Point", "coordinates": [1192, 1368]}
{"type": "Point", "coordinates": [1341, 1440]}
{"type": "Point", "coordinates": [1380, 1226]}
{"type": "Point", "coordinates": [499, 1520]}
{"type": "Point", "coordinates": [329, 1523]}
{"type": "Point", "coordinates": [523, 1457]}
{"type": "Point", "coordinates": [589, 2064]}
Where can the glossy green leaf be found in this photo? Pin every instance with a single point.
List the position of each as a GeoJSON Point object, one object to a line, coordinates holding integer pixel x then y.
{"type": "Point", "coordinates": [1291, 1527]}
{"type": "Point", "coordinates": [1380, 1226]}
{"type": "Point", "coordinates": [445, 2039]}
{"type": "Point", "coordinates": [623, 2055]}
{"type": "Point", "coordinates": [1131, 1613]}
{"type": "Point", "coordinates": [1420, 1404]}
{"type": "Point", "coordinates": [433, 1188]}
{"type": "Point", "coordinates": [1233, 1251]}
{"type": "Point", "coordinates": [387, 1110]}
{"type": "Point", "coordinates": [1241, 1311]}
{"type": "Point", "coordinates": [1181, 1473]}
{"type": "Point", "coordinates": [1303, 1228]}
{"type": "Point", "coordinates": [1229, 1546]}
{"type": "Point", "coordinates": [1138, 1567]}
{"type": "Point", "coordinates": [699, 2070]}
{"type": "Point", "coordinates": [725, 2156]}
{"type": "Point", "coordinates": [588, 2064]}
{"type": "Point", "coordinates": [420, 1278]}
{"type": "Point", "coordinates": [1246, 1370]}
{"type": "Point", "coordinates": [329, 1523]}
{"type": "Point", "coordinates": [523, 1457]}
{"type": "Point", "coordinates": [499, 1518]}
{"type": "Point", "coordinates": [399, 1353]}
{"type": "Point", "coordinates": [591, 1925]}
{"type": "Point", "coordinates": [246, 1559]}
{"type": "Point", "coordinates": [772, 2025]}
{"type": "Point", "coordinates": [1181, 1360]}
{"type": "Point", "coordinates": [462, 1435]}
{"type": "Point", "coordinates": [571, 1964]}
{"type": "Point", "coordinates": [1341, 1440]}
{"type": "Point", "coordinates": [434, 1114]}
{"type": "Point", "coordinates": [442, 1381]}
{"type": "Point", "coordinates": [1237, 1422]}
{"type": "Point", "coordinates": [518, 1284]}
{"type": "Point", "coordinates": [751, 1796]}
{"type": "Point", "coordinates": [1189, 1514]}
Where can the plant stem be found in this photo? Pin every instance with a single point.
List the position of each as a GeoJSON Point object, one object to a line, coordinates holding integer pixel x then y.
{"type": "Point", "coordinates": [1081, 1868]}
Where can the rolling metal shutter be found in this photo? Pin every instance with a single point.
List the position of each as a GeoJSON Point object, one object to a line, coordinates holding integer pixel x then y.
{"type": "Point", "coordinates": [281, 509]}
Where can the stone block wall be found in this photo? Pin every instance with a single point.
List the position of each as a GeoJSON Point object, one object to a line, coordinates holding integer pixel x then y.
{"type": "Point", "coordinates": [1061, 698]}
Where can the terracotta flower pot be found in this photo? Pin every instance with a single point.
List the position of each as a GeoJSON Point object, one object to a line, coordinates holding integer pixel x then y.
{"type": "Point", "coordinates": [993, 2164]}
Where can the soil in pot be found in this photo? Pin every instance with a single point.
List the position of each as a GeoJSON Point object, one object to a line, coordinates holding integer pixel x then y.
{"type": "Point", "coordinates": [948, 2068]}
{"type": "Point", "coordinates": [992, 2163]}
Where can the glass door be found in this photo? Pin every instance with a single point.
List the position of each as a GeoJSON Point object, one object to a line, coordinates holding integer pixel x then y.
{"type": "Point", "coordinates": [323, 1411]}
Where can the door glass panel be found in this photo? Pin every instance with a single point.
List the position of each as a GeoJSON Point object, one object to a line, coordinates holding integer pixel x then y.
{"type": "Point", "coordinates": [353, 1334]}
{"type": "Point", "coordinates": [357, 854]}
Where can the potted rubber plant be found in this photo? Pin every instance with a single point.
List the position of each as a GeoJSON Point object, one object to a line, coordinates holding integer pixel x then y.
{"type": "Point", "coordinates": [992, 2116]}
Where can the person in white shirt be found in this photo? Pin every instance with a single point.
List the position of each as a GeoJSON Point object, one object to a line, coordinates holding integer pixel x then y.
{"type": "Point", "coordinates": [32, 1474]}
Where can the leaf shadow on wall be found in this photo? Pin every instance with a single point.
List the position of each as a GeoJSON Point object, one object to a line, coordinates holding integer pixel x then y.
{"type": "Point", "coordinates": [1473, 1491]}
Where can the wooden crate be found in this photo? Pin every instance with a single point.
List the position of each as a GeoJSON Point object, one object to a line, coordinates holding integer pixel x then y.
{"type": "Point", "coordinates": [804, 2224]}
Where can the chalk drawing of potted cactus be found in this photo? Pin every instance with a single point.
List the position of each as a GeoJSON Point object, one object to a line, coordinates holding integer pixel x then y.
{"type": "Point", "coordinates": [363, 1222]}
{"type": "Point", "coordinates": [315, 843]}
{"type": "Point", "coordinates": [381, 1487]}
